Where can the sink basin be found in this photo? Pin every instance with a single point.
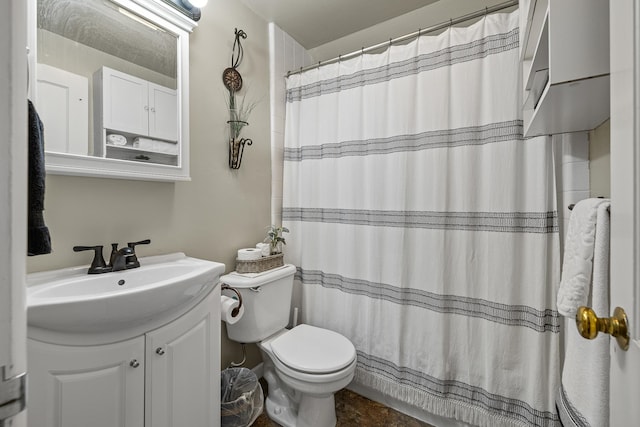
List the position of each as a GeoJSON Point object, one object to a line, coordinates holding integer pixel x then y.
{"type": "Point", "coordinates": [71, 301]}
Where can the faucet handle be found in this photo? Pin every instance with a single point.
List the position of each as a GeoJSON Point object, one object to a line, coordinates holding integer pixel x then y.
{"type": "Point", "coordinates": [114, 252]}
{"type": "Point", "coordinates": [133, 245]}
{"type": "Point", "coordinates": [97, 265]}
{"type": "Point", "coordinates": [132, 261]}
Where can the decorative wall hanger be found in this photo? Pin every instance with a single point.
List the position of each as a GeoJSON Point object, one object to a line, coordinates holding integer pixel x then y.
{"type": "Point", "coordinates": [238, 112]}
{"type": "Point", "coordinates": [231, 76]}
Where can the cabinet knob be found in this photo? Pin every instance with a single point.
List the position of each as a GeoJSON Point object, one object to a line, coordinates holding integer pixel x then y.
{"type": "Point", "coordinates": [134, 363]}
{"type": "Point", "coordinates": [153, 110]}
{"type": "Point", "coordinates": [146, 108]}
{"type": "Point", "coordinates": [159, 351]}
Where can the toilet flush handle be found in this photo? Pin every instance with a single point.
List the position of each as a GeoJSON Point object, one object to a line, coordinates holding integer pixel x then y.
{"type": "Point", "coordinates": [236, 310]}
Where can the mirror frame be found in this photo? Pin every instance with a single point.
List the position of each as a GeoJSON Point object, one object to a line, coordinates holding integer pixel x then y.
{"type": "Point", "coordinates": [163, 15]}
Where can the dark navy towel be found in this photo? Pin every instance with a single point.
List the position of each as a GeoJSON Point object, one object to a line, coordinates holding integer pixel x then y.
{"type": "Point", "coordinates": [39, 240]}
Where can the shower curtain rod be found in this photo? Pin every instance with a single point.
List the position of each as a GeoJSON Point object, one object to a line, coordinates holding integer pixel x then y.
{"type": "Point", "coordinates": [441, 26]}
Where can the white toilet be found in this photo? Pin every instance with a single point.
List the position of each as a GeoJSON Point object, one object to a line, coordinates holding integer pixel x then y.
{"type": "Point", "coordinates": [303, 366]}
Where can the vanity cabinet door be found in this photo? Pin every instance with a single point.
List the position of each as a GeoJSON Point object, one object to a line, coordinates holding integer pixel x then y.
{"type": "Point", "coordinates": [163, 113]}
{"type": "Point", "coordinates": [97, 386]}
{"type": "Point", "coordinates": [183, 369]}
{"type": "Point", "coordinates": [125, 102]}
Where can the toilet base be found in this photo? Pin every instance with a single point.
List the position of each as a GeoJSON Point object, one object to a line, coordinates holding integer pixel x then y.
{"type": "Point", "coordinates": [313, 411]}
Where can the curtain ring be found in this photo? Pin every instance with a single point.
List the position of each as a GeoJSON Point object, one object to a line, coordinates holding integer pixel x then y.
{"type": "Point", "coordinates": [339, 58]}
{"type": "Point", "coordinates": [486, 10]}
{"type": "Point", "coordinates": [419, 32]}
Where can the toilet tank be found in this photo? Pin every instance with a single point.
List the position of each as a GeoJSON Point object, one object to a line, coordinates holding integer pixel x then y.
{"type": "Point", "coordinates": [267, 303]}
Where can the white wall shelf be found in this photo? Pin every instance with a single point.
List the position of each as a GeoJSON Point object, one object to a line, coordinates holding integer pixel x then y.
{"type": "Point", "coordinates": [565, 65]}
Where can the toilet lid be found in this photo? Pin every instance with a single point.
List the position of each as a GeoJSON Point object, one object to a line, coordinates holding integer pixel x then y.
{"type": "Point", "coordinates": [314, 350]}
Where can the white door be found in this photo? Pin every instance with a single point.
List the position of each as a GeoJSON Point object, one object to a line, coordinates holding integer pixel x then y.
{"type": "Point", "coordinates": [13, 206]}
{"type": "Point", "coordinates": [625, 207]}
{"type": "Point", "coordinates": [63, 104]}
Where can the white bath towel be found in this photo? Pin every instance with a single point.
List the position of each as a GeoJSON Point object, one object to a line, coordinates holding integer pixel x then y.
{"type": "Point", "coordinates": [578, 256]}
{"type": "Point", "coordinates": [583, 398]}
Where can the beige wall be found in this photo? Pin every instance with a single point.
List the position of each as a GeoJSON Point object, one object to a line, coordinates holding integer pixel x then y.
{"type": "Point", "coordinates": [600, 160]}
{"type": "Point", "coordinates": [216, 213]}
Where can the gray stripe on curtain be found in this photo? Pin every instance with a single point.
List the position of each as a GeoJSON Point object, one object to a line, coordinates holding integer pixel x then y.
{"type": "Point", "coordinates": [514, 315]}
{"type": "Point", "coordinates": [456, 390]}
{"type": "Point", "coordinates": [442, 58]}
{"type": "Point", "coordinates": [506, 222]}
{"type": "Point", "coordinates": [472, 135]}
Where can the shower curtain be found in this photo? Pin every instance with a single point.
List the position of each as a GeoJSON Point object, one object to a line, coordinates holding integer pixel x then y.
{"type": "Point", "coordinates": [424, 227]}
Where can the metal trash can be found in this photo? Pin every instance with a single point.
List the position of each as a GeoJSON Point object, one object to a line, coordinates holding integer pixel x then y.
{"type": "Point", "coordinates": [241, 397]}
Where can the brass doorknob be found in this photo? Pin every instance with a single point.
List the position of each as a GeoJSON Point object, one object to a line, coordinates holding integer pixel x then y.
{"type": "Point", "coordinates": [589, 325]}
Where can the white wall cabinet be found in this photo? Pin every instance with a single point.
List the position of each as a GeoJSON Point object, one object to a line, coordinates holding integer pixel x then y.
{"type": "Point", "coordinates": [565, 65]}
{"type": "Point", "coordinates": [168, 377]}
{"type": "Point", "coordinates": [133, 107]}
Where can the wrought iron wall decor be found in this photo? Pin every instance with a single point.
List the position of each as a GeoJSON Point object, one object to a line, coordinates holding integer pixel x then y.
{"type": "Point", "coordinates": [238, 112]}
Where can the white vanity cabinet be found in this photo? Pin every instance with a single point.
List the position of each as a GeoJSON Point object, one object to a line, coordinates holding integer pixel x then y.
{"type": "Point", "coordinates": [167, 377]}
{"type": "Point", "coordinates": [133, 107]}
{"type": "Point", "coordinates": [565, 65]}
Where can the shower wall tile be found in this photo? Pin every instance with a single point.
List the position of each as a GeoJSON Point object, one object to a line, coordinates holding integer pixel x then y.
{"type": "Point", "coordinates": [278, 127]}
{"type": "Point", "coordinates": [575, 147]}
{"type": "Point", "coordinates": [285, 55]}
{"type": "Point", "coordinates": [574, 173]}
{"type": "Point", "coordinates": [279, 105]}
{"type": "Point", "coordinates": [576, 176]}
{"type": "Point", "coordinates": [276, 209]}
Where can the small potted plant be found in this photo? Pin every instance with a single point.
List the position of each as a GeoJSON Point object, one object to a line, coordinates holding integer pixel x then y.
{"type": "Point", "coordinates": [275, 239]}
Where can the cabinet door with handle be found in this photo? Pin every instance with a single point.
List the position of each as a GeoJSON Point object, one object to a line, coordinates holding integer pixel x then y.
{"type": "Point", "coordinates": [97, 386]}
{"type": "Point", "coordinates": [125, 102]}
{"type": "Point", "coordinates": [183, 369]}
{"type": "Point", "coordinates": [163, 113]}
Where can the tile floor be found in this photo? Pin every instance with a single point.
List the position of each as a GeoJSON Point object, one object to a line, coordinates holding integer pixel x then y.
{"type": "Point", "coordinates": [353, 410]}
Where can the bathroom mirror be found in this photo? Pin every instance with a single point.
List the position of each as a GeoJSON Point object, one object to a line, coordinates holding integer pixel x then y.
{"type": "Point", "coordinates": [109, 79]}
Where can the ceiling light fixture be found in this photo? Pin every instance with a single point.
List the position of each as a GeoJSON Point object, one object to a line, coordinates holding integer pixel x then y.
{"type": "Point", "coordinates": [135, 17]}
{"type": "Point", "coordinates": [195, 3]}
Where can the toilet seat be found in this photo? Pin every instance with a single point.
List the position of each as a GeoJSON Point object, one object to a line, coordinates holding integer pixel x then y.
{"type": "Point", "coordinates": [312, 350]}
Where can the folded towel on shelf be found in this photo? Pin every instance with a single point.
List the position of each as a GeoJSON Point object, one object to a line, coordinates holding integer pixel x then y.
{"type": "Point", "coordinates": [38, 237]}
{"type": "Point", "coordinates": [586, 364]}
{"type": "Point", "coordinates": [155, 145]}
{"type": "Point", "coordinates": [578, 256]}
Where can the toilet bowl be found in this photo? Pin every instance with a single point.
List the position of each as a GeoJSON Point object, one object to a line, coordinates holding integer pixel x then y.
{"type": "Point", "coordinates": [304, 366]}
